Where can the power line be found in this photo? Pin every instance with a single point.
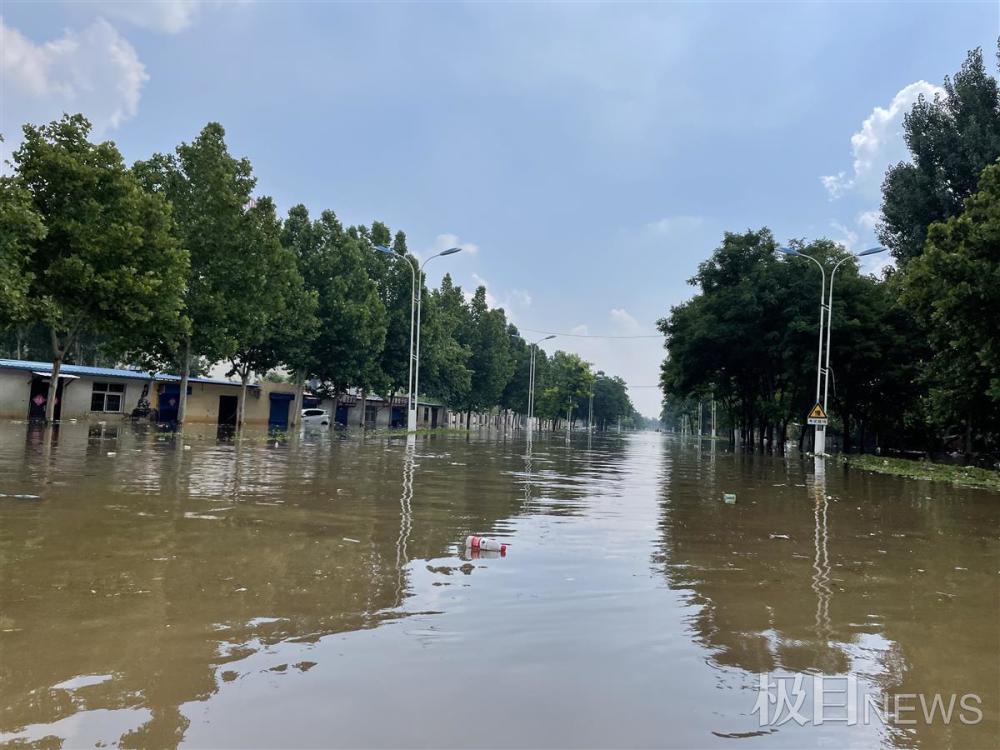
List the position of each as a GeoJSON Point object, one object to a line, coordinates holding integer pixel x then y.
{"type": "Point", "coordinates": [594, 336]}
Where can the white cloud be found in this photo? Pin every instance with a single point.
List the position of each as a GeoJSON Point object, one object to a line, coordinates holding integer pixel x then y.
{"type": "Point", "coordinates": [848, 237]}
{"type": "Point", "coordinates": [169, 16]}
{"type": "Point", "coordinates": [869, 219]}
{"type": "Point", "coordinates": [94, 71]}
{"type": "Point", "coordinates": [511, 301]}
{"type": "Point", "coordinates": [447, 241]}
{"type": "Point", "coordinates": [879, 143]}
{"type": "Point", "coordinates": [624, 324]}
{"type": "Point", "coordinates": [520, 297]}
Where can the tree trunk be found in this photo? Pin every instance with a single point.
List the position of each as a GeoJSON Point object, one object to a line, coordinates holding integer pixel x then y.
{"type": "Point", "coordinates": [468, 420]}
{"type": "Point", "coordinates": [58, 352]}
{"type": "Point", "coordinates": [50, 405]}
{"type": "Point", "coordinates": [244, 377]}
{"type": "Point", "coordinates": [300, 387]}
{"type": "Point", "coordinates": [182, 397]}
{"type": "Point", "coordinates": [361, 404]}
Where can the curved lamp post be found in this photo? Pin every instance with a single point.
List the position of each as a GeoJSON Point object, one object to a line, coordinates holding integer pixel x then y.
{"type": "Point", "coordinates": [413, 378]}
{"type": "Point", "coordinates": [825, 310]}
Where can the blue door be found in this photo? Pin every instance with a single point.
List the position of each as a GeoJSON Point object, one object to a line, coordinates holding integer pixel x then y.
{"type": "Point", "coordinates": [170, 396]}
{"type": "Point", "coordinates": [277, 418]}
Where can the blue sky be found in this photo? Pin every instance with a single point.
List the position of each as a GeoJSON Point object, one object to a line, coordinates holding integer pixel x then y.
{"type": "Point", "coordinates": [587, 156]}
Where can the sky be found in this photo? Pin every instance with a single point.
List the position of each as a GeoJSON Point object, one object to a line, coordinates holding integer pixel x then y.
{"type": "Point", "coordinates": [586, 157]}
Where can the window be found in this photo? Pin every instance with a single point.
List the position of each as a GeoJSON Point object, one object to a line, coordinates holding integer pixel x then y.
{"type": "Point", "coordinates": [314, 412]}
{"type": "Point", "coordinates": [107, 397]}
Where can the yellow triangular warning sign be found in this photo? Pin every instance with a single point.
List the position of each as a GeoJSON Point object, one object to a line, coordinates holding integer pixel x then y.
{"type": "Point", "coordinates": [817, 412]}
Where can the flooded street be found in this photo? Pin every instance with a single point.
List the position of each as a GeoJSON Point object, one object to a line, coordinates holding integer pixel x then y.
{"type": "Point", "coordinates": [161, 592]}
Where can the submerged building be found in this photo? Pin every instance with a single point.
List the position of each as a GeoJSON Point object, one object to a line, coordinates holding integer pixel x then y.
{"type": "Point", "coordinates": [102, 393]}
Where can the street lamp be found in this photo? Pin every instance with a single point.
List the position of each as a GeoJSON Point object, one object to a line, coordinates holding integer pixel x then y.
{"type": "Point", "coordinates": [825, 306]}
{"type": "Point", "coordinates": [413, 377]}
{"type": "Point", "coordinates": [531, 380]}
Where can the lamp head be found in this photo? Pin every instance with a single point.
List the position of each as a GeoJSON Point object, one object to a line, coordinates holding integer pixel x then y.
{"type": "Point", "coordinates": [383, 249]}
{"type": "Point", "coordinates": [450, 251]}
{"type": "Point", "coordinates": [788, 250]}
{"type": "Point", "coordinates": [552, 336]}
{"type": "Point", "coordinates": [873, 251]}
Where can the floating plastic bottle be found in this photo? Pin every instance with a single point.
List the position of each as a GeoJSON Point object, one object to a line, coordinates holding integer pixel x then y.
{"type": "Point", "coordinates": [729, 498]}
{"type": "Point", "coordinates": [484, 544]}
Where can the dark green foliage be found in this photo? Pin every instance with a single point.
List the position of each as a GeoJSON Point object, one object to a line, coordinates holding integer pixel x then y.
{"type": "Point", "coordinates": [951, 140]}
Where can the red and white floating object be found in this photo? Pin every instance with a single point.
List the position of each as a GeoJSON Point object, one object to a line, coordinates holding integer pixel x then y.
{"type": "Point", "coordinates": [485, 544]}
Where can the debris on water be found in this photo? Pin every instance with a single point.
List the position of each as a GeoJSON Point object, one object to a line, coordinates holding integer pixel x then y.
{"type": "Point", "coordinates": [730, 498]}
{"type": "Point", "coordinates": [112, 453]}
{"type": "Point", "coordinates": [187, 447]}
{"type": "Point", "coordinates": [21, 496]}
{"type": "Point", "coordinates": [485, 544]}
{"type": "Point", "coordinates": [779, 536]}
{"type": "Point", "coordinates": [352, 541]}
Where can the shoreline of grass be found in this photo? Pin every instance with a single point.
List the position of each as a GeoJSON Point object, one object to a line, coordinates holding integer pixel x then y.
{"type": "Point", "coordinates": [964, 476]}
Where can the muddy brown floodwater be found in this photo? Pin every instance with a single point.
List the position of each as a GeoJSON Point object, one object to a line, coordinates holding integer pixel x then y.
{"type": "Point", "coordinates": [159, 592]}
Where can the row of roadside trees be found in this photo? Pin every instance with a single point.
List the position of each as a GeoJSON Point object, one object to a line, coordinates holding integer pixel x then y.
{"type": "Point", "coordinates": [176, 263]}
{"type": "Point", "coordinates": [915, 355]}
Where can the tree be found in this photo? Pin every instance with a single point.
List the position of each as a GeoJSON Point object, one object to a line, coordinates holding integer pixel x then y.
{"type": "Point", "coordinates": [108, 261]}
{"type": "Point", "coordinates": [270, 315]}
{"type": "Point", "coordinates": [515, 394]}
{"type": "Point", "coordinates": [491, 364]}
{"type": "Point", "coordinates": [209, 190]}
{"type": "Point", "coordinates": [568, 379]}
{"type": "Point", "coordinates": [444, 364]}
{"type": "Point", "coordinates": [951, 140]}
{"type": "Point", "coordinates": [21, 226]}
{"type": "Point", "coordinates": [348, 343]}
{"type": "Point", "coordinates": [748, 340]}
{"type": "Point", "coordinates": [954, 290]}
{"type": "Point", "coordinates": [611, 401]}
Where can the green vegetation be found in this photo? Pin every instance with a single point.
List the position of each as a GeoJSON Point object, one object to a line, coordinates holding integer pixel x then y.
{"type": "Point", "coordinates": [915, 354]}
{"type": "Point", "coordinates": [178, 264]}
{"type": "Point", "coordinates": [968, 476]}
{"type": "Point", "coordinates": [107, 262]}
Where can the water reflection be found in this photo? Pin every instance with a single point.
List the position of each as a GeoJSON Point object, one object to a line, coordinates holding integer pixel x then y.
{"type": "Point", "coordinates": [162, 590]}
{"type": "Point", "coordinates": [870, 583]}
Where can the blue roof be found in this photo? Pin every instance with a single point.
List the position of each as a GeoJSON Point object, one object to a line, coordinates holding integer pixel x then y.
{"type": "Point", "coordinates": [104, 372]}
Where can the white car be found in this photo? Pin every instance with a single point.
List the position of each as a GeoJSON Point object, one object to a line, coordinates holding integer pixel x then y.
{"type": "Point", "coordinates": [316, 417]}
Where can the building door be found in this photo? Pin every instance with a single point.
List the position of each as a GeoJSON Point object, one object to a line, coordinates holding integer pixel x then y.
{"type": "Point", "coordinates": [341, 417]}
{"type": "Point", "coordinates": [168, 402]}
{"type": "Point", "coordinates": [434, 417]}
{"type": "Point", "coordinates": [228, 410]}
{"type": "Point", "coordinates": [277, 417]}
{"type": "Point", "coordinates": [39, 396]}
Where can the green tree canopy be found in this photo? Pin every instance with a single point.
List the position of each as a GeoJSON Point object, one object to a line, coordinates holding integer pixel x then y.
{"type": "Point", "coordinates": [350, 336]}
{"type": "Point", "coordinates": [954, 289]}
{"type": "Point", "coordinates": [951, 139]}
{"type": "Point", "coordinates": [209, 190]}
{"type": "Point", "coordinates": [108, 261]}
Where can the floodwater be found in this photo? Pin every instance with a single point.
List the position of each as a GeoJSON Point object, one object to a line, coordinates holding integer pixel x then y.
{"type": "Point", "coordinates": [163, 591]}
